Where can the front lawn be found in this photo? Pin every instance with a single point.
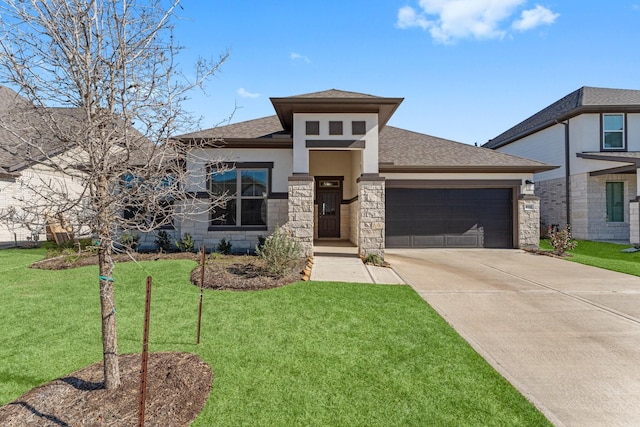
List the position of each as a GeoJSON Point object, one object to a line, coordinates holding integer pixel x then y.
{"type": "Point", "coordinates": [604, 255]}
{"type": "Point", "coordinates": [311, 353]}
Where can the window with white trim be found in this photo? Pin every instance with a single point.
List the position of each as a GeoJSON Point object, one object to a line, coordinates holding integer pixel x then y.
{"type": "Point", "coordinates": [613, 132]}
{"type": "Point", "coordinates": [246, 190]}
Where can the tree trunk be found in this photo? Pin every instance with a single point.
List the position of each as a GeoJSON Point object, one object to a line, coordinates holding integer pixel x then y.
{"type": "Point", "coordinates": [107, 303]}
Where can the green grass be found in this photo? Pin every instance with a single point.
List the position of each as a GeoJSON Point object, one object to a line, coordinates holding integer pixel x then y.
{"type": "Point", "coordinates": [308, 354]}
{"type": "Point", "coordinates": [604, 255]}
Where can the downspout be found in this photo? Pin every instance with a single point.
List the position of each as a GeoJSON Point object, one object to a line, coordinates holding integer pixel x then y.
{"type": "Point", "coordinates": [567, 169]}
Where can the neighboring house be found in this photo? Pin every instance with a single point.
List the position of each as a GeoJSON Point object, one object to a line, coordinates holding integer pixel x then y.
{"type": "Point", "coordinates": [34, 192]}
{"type": "Point", "coordinates": [327, 166]}
{"type": "Point", "coordinates": [17, 176]}
{"type": "Point", "coordinates": [593, 134]}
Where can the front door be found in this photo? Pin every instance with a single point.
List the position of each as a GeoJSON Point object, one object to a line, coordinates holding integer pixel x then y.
{"type": "Point", "coordinates": [329, 211]}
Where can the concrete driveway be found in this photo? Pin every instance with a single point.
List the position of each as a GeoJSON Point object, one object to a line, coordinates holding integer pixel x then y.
{"type": "Point", "coordinates": [564, 334]}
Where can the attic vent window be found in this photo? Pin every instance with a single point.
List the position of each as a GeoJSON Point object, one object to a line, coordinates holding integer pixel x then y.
{"type": "Point", "coordinates": [335, 128]}
{"type": "Point", "coordinates": [312, 128]}
{"type": "Point", "coordinates": [358, 127]}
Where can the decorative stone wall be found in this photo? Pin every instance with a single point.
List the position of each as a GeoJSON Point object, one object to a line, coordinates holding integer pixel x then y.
{"type": "Point", "coordinates": [371, 195]}
{"type": "Point", "coordinates": [529, 222]}
{"type": "Point", "coordinates": [300, 211]}
{"type": "Point", "coordinates": [634, 222]}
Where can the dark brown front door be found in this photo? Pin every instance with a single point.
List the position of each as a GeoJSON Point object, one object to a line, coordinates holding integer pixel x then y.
{"type": "Point", "coordinates": [329, 212]}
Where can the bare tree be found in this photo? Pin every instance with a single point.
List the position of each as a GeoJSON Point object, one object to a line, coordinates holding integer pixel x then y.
{"type": "Point", "coordinates": [103, 95]}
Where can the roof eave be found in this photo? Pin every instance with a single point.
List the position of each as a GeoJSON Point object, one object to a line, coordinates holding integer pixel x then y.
{"type": "Point", "coordinates": [286, 107]}
{"type": "Point", "coordinates": [466, 169]}
{"type": "Point", "coordinates": [213, 142]}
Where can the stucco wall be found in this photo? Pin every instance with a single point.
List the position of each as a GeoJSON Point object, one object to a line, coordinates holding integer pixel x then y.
{"type": "Point", "coordinates": [369, 154]}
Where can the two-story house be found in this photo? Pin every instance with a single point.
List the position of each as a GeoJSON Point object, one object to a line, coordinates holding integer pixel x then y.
{"type": "Point", "coordinates": [593, 134]}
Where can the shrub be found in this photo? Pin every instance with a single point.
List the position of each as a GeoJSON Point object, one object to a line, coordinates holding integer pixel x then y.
{"type": "Point", "coordinates": [280, 252]}
{"type": "Point", "coordinates": [163, 244]}
{"type": "Point", "coordinates": [261, 240]}
{"type": "Point", "coordinates": [560, 239]}
{"type": "Point", "coordinates": [374, 259]}
{"type": "Point", "coordinates": [224, 247]}
{"type": "Point", "coordinates": [186, 244]}
{"type": "Point", "coordinates": [130, 240]}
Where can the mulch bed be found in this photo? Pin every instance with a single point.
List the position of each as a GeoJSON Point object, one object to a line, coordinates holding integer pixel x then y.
{"type": "Point", "coordinates": [80, 260]}
{"type": "Point", "coordinates": [178, 385]}
{"type": "Point", "coordinates": [242, 273]}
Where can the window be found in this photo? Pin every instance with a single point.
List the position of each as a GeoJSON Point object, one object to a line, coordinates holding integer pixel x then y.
{"type": "Point", "coordinates": [143, 209]}
{"type": "Point", "coordinates": [615, 201]}
{"type": "Point", "coordinates": [247, 191]}
{"type": "Point", "coordinates": [613, 132]}
{"type": "Point", "coordinates": [358, 127]}
{"type": "Point", "coordinates": [312, 128]}
{"type": "Point", "coordinates": [335, 128]}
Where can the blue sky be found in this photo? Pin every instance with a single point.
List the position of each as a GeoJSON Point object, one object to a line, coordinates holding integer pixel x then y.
{"type": "Point", "coordinates": [468, 69]}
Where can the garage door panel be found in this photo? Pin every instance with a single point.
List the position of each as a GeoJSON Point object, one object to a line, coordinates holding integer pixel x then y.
{"type": "Point", "coordinates": [449, 217]}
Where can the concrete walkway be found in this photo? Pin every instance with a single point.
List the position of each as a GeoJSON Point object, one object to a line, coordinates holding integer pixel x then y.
{"type": "Point", "coordinates": [338, 261]}
{"type": "Point", "coordinates": [564, 334]}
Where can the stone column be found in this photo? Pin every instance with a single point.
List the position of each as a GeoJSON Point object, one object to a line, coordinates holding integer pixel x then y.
{"type": "Point", "coordinates": [634, 222]}
{"type": "Point", "coordinates": [529, 221]}
{"type": "Point", "coordinates": [371, 197]}
{"type": "Point", "coordinates": [300, 210]}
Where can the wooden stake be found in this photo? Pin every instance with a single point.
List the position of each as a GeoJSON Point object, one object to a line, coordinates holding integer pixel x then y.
{"type": "Point", "coordinates": [145, 355]}
{"type": "Point", "coordinates": [204, 250]}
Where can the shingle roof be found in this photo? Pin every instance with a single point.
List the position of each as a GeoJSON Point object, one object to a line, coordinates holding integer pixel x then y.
{"type": "Point", "coordinates": [585, 99]}
{"type": "Point", "coordinates": [401, 148]}
{"type": "Point", "coordinates": [17, 115]}
{"type": "Point", "coordinates": [263, 128]}
{"type": "Point", "coordinates": [398, 148]}
{"type": "Point", "coordinates": [336, 93]}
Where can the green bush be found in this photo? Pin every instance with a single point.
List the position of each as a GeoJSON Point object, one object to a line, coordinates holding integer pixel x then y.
{"type": "Point", "coordinates": [186, 244]}
{"type": "Point", "coordinates": [130, 239]}
{"type": "Point", "coordinates": [373, 259]}
{"type": "Point", "coordinates": [280, 252]}
{"type": "Point", "coordinates": [163, 244]}
{"type": "Point", "coordinates": [224, 247]}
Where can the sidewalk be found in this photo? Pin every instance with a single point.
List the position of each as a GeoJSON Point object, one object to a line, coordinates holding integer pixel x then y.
{"type": "Point", "coordinates": [338, 261]}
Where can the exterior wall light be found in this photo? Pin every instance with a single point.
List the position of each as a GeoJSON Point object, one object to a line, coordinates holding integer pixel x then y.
{"type": "Point", "coordinates": [529, 186]}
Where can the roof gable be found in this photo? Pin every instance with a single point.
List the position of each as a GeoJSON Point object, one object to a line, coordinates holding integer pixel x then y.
{"type": "Point", "coordinates": [334, 101]}
{"type": "Point", "coordinates": [584, 100]}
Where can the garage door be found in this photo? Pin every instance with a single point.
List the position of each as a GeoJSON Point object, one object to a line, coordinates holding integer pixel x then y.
{"type": "Point", "coordinates": [456, 218]}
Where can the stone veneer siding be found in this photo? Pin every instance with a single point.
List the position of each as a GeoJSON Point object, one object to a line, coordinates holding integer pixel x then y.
{"type": "Point", "coordinates": [242, 241]}
{"type": "Point", "coordinates": [371, 194]}
{"type": "Point", "coordinates": [634, 222]}
{"type": "Point", "coordinates": [300, 211]}
{"type": "Point", "coordinates": [589, 207]}
{"type": "Point", "coordinates": [528, 222]}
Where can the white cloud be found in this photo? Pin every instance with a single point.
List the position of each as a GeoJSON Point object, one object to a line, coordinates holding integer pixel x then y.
{"type": "Point", "coordinates": [246, 94]}
{"type": "Point", "coordinates": [297, 57]}
{"type": "Point", "coordinates": [407, 17]}
{"type": "Point", "coordinates": [535, 17]}
{"type": "Point", "coordinates": [450, 20]}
